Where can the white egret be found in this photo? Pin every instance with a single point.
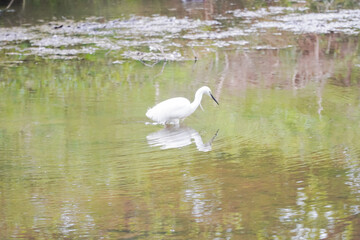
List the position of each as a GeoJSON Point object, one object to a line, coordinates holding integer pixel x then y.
{"type": "Point", "coordinates": [173, 110]}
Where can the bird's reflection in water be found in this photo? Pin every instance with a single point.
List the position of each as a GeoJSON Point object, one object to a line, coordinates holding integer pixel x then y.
{"type": "Point", "coordinates": [177, 137]}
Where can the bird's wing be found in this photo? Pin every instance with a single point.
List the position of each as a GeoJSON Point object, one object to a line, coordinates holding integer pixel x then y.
{"type": "Point", "coordinates": [177, 107]}
{"type": "Point", "coordinates": [173, 108]}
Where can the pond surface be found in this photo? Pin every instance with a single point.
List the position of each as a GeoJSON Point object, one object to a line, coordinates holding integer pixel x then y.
{"type": "Point", "coordinates": [279, 158]}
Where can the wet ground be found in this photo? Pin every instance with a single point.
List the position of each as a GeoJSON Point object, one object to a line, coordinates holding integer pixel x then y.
{"type": "Point", "coordinates": [279, 158]}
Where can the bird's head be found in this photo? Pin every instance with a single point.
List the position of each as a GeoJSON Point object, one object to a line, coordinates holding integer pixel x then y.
{"type": "Point", "coordinates": [207, 91]}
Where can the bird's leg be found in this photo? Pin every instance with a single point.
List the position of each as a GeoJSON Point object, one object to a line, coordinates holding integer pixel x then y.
{"type": "Point", "coordinates": [201, 107]}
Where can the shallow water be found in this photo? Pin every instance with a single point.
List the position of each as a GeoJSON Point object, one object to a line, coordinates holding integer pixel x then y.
{"type": "Point", "coordinates": [277, 159]}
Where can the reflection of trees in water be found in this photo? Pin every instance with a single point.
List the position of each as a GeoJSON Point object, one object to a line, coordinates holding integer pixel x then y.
{"type": "Point", "coordinates": [314, 58]}
{"type": "Point", "coordinates": [310, 209]}
{"type": "Point", "coordinates": [200, 195]}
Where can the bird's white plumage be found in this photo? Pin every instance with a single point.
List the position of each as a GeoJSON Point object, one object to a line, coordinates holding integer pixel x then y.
{"type": "Point", "coordinates": [170, 111]}
{"type": "Point", "coordinates": [173, 110]}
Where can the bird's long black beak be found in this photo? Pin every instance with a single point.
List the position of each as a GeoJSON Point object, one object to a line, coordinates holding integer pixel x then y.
{"type": "Point", "coordinates": [214, 99]}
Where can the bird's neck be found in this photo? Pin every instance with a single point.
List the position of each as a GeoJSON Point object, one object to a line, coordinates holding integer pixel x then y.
{"type": "Point", "coordinates": [195, 104]}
